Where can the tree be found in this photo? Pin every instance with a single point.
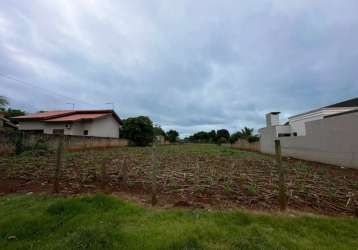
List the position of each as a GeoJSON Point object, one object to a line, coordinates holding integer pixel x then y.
{"type": "Point", "coordinates": [245, 133]}
{"type": "Point", "coordinates": [222, 135]}
{"type": "Point", "coordinates": [139, 130]}
{"type": "Point", "coordinates": [3, 102]}
{"type": "Point", "coordinates": [172, 135]}
{"type": "Point", "coordinates": [212, 136]}
{"type": "Point", "coordinates": [13, 112]}
{"type": "Point", "coordinates": [201, 136]}
{"type": "Point", "coordinates": [235, 136]}
{"type": "Point", "coordinates": [159, 131]}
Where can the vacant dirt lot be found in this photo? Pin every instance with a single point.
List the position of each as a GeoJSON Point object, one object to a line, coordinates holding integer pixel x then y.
{"type": "Point", "coordinates": [188, 175]}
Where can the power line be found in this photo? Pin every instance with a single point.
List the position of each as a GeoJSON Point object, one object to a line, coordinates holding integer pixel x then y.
{"type": "Point", "coordinates": [47, 91]}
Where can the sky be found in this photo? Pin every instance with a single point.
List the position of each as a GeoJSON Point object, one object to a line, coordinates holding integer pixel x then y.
{"type": "Point", "coordinates": [188, 65]}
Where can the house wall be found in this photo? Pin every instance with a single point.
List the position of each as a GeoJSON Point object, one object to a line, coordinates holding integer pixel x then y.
{"type": "Point", "coordinates": [267, 140]}
{"type": "Point", "coordinates": [104, 127]}
{"type": "Point", "coordinates": [333, 140]}
{"type": "Point", "coordinates": [49, 127]}
{"type": "Point", "coordinates": [298, 123]}
{"type": "Point", "coordinates": [31, 125]}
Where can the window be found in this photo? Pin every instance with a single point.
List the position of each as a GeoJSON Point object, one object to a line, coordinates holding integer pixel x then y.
{"type": "Point", "coordinates": [284, 135]}
{"type": "Point", "coordinates": [34, 131]}
{"type": "Point", "coordinates": [58, 131]}
{"type": "Point", "coordinates": [85, 132]}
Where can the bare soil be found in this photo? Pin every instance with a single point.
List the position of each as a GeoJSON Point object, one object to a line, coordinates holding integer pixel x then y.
{"type": "Point", "coordinates": [186, 177]}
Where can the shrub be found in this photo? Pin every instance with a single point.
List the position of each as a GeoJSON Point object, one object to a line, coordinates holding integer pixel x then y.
{"type": "Point", "coordinates": [139, 130]}
{"type": "Point", "coordinates": [172, 136]}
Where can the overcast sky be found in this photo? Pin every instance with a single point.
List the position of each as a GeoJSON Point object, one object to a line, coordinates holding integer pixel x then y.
{"type": "Point", "coordinates": [189, 65]}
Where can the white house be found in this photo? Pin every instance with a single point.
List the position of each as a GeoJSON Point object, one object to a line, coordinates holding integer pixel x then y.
{"type": "Point", "coordinates": [99, 123]}
{"type": "Point", "coordinates": [296, 125]}
{"type": "Point", "coordinates": [297, 122]}
{"type": "Point", "coordinates": [328, 134]}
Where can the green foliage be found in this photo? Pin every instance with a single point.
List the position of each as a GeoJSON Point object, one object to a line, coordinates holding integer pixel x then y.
{"type": "Point", "coordinates": [201, 137]}
{"type": "Point", "coordinates": [223, 135]}
{"type": "Point", "coordinates": [3, 102]}
{"type": "Point", "coordinates": [139, 130]}
{"type": "Point", "coordinates": [159, 131]}
{"type": "Point", "coordinates": [234, 137]}
{"type": "Point", "coordinates": [245, 133]}
{"type": "Point", "coordinates": [253, 138]}
{"type": "Point", "coordinates": [212, 136]}
{"type": "Point", "coordinates": [252, 189]}
{"type": "Point", "coordinates": [13, 112]}
{"type": "Point", "coordinates": [172, 135]}
{"type": "Point", "coordinates": [104, 222]}
{"type": "Point", "coordinates": [220, 136]}
{"type": "Point", "coordinates": [221, 140]}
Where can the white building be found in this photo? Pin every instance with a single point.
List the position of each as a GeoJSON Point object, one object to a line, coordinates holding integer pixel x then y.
{"type": "Point", "coordinates": [296, 125]}
{"type": "Point", "coordinates": [328, 134]}
{"type": "Point", "coordinates": [297, 122]}
{"type": "Point", "coordinates": [99, 123]}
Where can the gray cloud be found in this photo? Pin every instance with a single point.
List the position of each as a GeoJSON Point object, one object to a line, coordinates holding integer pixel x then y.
{"type": "Point", "coordinates": [189, 65]}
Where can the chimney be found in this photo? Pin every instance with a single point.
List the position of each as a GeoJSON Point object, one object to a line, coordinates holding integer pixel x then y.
{"type": "Point", "coordinates": [272, 119]}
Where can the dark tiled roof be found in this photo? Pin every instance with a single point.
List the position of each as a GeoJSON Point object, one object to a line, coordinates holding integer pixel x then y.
{"type": "Point", "coordinates": [351, 103]}
{"type": "Point", "coordinates": [348, 103]}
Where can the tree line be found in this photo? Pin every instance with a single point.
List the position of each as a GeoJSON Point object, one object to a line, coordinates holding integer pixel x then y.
{"type": "Point", "coordinates": [223, 136]}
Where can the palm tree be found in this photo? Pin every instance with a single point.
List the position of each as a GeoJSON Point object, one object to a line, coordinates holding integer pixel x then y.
{"type": "Point", "coordinates": [246, 132]}
{"type": "Point", "coordinates": [3, 101]}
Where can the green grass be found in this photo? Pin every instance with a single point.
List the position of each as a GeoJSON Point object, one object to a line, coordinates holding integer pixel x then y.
{"type": "Point", "coordinates": [104, 222]}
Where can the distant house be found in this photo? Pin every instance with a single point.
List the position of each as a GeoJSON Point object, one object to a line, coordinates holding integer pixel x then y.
{"type": "Point", "coordinates": [99, 123]}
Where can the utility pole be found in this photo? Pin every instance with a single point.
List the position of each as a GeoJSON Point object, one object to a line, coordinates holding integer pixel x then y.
{"type": "Point", "coordinates": [71, 103]}
{"type": "Point", "coordinates": [110, 103]}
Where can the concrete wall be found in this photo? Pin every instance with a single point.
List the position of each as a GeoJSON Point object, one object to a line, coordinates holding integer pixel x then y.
{"type": "Point", "coordinates": [267, 140]}
{"type": "Point", "coordinates": [333, 140]}
{"type": "Point", "coordinates": [8, 141]}
{"type": "Point", "coordinates": [245, 145]}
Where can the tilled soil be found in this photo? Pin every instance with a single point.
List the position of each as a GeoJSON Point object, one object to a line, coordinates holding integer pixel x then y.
{"type": "Point", "coordinates": [188, 179]}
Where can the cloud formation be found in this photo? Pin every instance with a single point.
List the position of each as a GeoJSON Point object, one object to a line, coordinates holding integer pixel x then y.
{"type": "Point", "coordinates": [189, 65]}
